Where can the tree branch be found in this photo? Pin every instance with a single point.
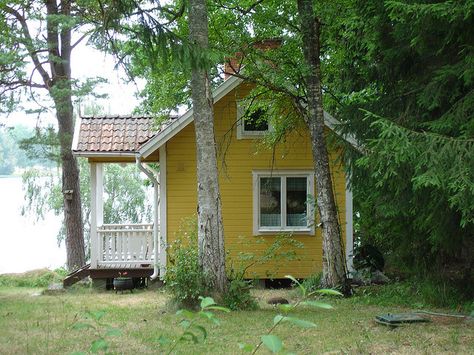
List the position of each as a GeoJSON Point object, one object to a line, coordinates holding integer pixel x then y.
{"type": "Point", "coordinates": [243, 11]}
{"type": "Point", "coordinates": [28, 43]}
{"type": "Point", "coordinates": [79, 40]}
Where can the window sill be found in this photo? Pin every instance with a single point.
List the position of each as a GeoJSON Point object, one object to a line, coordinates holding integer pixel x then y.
{"type": "Point", "coordinates": [253, 135]}
{"type": "Point", "coordinates": [270, 232]}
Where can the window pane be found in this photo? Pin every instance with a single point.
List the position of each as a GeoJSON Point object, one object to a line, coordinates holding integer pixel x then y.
{"type": "Point", "coordinates": [256, 121]}
{"type": "Point", "coordinates": [270, 202]}
{"type": "Point", "coordinates": [296, 202]}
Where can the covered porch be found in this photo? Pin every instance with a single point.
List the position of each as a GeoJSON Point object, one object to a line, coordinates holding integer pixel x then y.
{"type": "Point", "coordinates": [137, 249]}
{"type": "Point", "coordinates": [124, 246]}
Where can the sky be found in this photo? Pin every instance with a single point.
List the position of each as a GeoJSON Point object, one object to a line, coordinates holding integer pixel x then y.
{"type": "Point", "coordinates": [88, 62]}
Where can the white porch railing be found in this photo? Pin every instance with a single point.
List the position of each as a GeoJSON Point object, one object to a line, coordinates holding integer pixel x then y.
{"type": "Point", "coordinates": [125, 245]}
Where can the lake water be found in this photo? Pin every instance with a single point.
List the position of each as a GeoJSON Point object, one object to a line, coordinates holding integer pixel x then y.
{"type": "Point", "coordinates": [24, 243]}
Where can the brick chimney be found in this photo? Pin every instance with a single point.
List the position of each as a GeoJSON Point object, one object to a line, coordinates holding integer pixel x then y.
{"type": "Point", "coordinates": [232, 65]}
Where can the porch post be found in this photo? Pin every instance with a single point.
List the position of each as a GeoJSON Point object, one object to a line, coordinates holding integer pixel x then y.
{"type": "Point", "coordinates": [163, 212]}
{"type": "Point", "coordinates": [97, 209]}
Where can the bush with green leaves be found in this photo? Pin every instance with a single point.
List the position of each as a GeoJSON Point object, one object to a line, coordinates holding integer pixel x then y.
{"type": "Point", "coordinates": [238, 295]}
{"type": "Point", "coordinates": [185, 277]}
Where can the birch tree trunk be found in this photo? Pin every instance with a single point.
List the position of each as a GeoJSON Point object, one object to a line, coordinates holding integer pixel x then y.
{"type": "Point", "coordinates": [210, 225]}
{"type": "Point", "coordinates": [334, 263]}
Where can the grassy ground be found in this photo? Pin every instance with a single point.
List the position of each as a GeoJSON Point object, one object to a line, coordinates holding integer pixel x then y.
{"type": "Point", "coordinates": [34, 324]}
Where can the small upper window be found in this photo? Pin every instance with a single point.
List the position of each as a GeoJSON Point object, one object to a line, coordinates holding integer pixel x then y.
{"type": "Point", "coordinates": [251, 123]}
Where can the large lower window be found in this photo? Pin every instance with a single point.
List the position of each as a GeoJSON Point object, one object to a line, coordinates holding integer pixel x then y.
{"type": "Point", "coordinates": [281, 201]}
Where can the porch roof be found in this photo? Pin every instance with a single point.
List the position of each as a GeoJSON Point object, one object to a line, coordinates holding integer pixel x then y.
{"type": "Point", "coordinates": [114, 135]}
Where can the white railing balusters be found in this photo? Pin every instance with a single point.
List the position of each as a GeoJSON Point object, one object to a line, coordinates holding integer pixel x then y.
{"type": "Point", "coordinates": [125, 244]}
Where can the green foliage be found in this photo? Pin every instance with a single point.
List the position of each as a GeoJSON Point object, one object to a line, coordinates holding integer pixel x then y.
{"type": "Point", "coordinates": [400, 75]}
{"type": "Point", "coordinates": [419, 292]}
{"type": "Point", "coordinates": [36, 278]}
{"type": "Point", "coordinates": [238, 295]}
{"type": "Point", "coordinates": [313, 282]}
{"type": "Point", "coordinates": [193, 329]}
{"type": "Point", "coordinates": [42, 144]}
{"type": "Point", "coordinates": [101, 332]}
{"type": "Point", "coordinates": [125, 195]}
{"type": "Point", "coordinates": [185, 277]}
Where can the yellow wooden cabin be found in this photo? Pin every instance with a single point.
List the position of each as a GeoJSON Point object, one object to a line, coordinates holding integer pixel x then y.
{"type": "Point", "coordinates": [264, 195]}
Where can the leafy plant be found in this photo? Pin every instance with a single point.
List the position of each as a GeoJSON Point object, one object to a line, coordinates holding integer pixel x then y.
{"type": "Point", "coordinates": [238, 296]}
{"type": "Point", "coordinates": [102, 331]}
{"type": "Point", "coordinates": [185, 278]}
{"type": "Point", "coordinates": [312, 283]}
{"type": "Point", "coordinates": [271, 341]}
{"type": "Point", "coordinates": [193, 330]}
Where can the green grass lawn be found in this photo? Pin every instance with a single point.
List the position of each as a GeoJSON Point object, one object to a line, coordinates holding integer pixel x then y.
{"type": "Point", "coordinates": [34, 324]}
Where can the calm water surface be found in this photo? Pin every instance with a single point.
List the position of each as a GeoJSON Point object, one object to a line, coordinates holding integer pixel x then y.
{"type": "Point", "coordinates": [24, 243]}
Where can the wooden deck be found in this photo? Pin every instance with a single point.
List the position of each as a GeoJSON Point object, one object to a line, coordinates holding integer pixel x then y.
{"type": "Point", "coordinates": [112, 273]}
{"type": "Point", "coordinates": [106, 273]}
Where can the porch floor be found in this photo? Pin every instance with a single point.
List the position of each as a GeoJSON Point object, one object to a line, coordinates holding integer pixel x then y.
{"type": "Point", "coordinates": [106, 273]}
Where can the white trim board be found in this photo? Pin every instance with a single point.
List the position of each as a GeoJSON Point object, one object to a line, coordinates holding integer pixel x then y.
{"type": "Point", "coordinates": [104, 154]}
{"type": "Point", "coordinates": [162, 247]}
{"type": "Point", "coordinates": [75, 137]}
{"type": "Point", "coordinates": [227, 86]}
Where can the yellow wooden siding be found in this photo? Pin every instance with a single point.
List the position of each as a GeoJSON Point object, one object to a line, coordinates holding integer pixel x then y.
{"type": "Point", "coordinates": [241, 158]}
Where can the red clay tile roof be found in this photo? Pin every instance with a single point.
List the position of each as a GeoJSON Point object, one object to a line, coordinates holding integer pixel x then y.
{"type": "Point", "coordinates": [109, 134]}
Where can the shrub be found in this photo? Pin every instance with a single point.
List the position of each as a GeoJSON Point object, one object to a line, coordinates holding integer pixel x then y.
{"type": "Point", "coordinates": [238, 296]}
{"type": "Point", "coordinates": [185, 278]}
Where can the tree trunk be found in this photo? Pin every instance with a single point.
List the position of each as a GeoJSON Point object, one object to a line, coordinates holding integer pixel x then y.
{"type": "Point", "coordinates": [72, 202]}
{"type": "Point", "coordinates": [59, 48]}
{"type": "Point", "coordinates": [334, 263]}
{"type": "Point", "coordinates": [210, 225]}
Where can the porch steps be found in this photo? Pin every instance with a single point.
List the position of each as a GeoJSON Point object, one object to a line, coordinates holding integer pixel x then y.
{"type": "Point", "coordinates": [77, 275]}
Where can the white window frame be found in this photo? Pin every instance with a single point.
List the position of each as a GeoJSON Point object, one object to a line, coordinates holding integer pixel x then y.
{"type": "Point", "coordinates": [241, 132]}
{"type": "Point", "coordinates": [256, 175]}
